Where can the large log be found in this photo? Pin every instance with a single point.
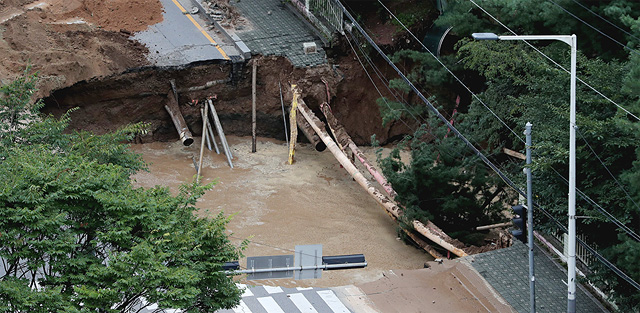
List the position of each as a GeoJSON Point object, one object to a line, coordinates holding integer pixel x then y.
{"type": "Point", "coordinates": [345, 141]}
{"type": "Point", "coordinates": [293, 122]}
{"type": "Point", "coordinates": [430, 232]}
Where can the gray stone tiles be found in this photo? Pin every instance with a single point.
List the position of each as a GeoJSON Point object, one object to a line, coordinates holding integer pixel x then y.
{"type": "Point", "coordinates": [275, 30]}
{"type": "Point", "coordinates": [507, 271]}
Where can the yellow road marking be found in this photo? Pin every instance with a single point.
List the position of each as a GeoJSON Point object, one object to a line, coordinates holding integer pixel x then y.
{"type": "Point", "coordinates": [224, 55]}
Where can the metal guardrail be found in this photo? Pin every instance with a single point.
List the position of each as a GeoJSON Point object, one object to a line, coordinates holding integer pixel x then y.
{"type": "Point", "coordinates": [330, 11]}
{"type": "Point", "coordinates": [582, 253]}
{"type": "Point", "coordinates": [311, 17]}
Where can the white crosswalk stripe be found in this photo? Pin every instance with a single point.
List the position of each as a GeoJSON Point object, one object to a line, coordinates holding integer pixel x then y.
{"type": "Point", "coordinates": [302, 303]}
{"type": "Point", "coordinates": [272, 290]}
{"type": "Point", "coordinates": [280, 300]}
{"type": "Point", "coordinates": [241, 308]}
{"type": "Point", "coordinates": [332, 301]}
{"type": "Point", "coordinates": [270, 305]}
{"type": "Point", "coordinates": [246, 292]}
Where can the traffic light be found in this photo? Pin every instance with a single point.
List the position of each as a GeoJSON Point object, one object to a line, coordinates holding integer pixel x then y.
{"type": "Point", "coordinates": [520, 221]}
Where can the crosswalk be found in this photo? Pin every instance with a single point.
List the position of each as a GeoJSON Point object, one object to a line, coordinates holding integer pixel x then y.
{"type": "Point", "coordinates": [267, 299]}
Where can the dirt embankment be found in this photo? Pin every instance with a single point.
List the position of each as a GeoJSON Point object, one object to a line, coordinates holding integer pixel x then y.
{"type": "Point", "coordinates": [68, 41]}
{"type": "Point", "coordinates": [139, 96]}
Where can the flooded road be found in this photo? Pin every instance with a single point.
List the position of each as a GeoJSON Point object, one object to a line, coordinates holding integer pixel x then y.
{"type": "Point", "coordinates": [278, 206]}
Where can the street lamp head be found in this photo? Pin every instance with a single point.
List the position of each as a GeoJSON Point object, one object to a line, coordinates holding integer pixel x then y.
{"type": "Point", "coordinates": [484, 36]}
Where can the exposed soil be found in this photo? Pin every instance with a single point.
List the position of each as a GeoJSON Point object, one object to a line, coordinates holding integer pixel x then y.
{"type": "Point", "coordinates": [139, 96]}
{"type": "Point", "coordinates": [68, 41]}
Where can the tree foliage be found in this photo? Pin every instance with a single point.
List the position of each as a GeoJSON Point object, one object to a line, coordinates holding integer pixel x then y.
{"type": "Point", "coordinates": [518, 85]}
{"type": "Point", "coordinates": [441, 184]}
{"type": "Point", "coordinates": [76, 236]}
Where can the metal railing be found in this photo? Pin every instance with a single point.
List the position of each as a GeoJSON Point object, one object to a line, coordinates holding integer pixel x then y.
{"type": "Point", "coordinates": [582, 253]}
{"type": "Point", "coordinates": [327, 10]}
{"type": "Point", "coordinates": [330, 11]}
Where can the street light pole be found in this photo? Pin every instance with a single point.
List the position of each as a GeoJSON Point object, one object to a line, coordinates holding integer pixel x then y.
{"type": "Point", "coordinates": [571, 257]}
{"type": "Point", "coordinates": [532, 275]}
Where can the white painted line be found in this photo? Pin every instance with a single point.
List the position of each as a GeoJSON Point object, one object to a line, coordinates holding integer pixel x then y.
{"type": "Point", "coordinates": [242, 308]}
{"type": "Point", "coordinates": [332, 301]}
{"type": "Point", "coordinates": [270, 305]}
{"type": "Point", "coordinates": [246, 292]}
{"type": "Point", "coordinates": [302, 303]}
{"type": "Point", "coordinates": [272, 290]}
{"type": "Point", "coordinates": [304, 288]}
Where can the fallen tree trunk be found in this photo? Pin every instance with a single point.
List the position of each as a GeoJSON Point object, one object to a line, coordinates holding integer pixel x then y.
{"type": "Point", "coordinates": [345, 140]}
{"type": "Point", "coordinates": [431, 232]}
{"type": "Point", "coordinates": [485, 227]}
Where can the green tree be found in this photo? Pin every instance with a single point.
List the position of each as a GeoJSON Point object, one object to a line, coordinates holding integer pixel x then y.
{"type": "Point", "coordinates": [443, 184]}
{"type": "Point", "coordinates": [521, 86]}
{"type": "Point", "coordinates": [76, 236]}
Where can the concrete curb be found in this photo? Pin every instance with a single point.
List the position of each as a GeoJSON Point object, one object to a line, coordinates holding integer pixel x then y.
{"type": "Point", "coordinates": [245, 52]}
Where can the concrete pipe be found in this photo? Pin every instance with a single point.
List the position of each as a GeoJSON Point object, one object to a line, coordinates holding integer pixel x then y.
{"type": "Point", "coordinates": [178, 120]}
{"type": "Point", "coordinates": [308, 132]}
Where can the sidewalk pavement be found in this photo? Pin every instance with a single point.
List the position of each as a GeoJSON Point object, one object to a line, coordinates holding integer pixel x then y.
{"type": "Point", "coordinates": [507, 270]}
{"type": "Point", "coordinates": [275, 30]}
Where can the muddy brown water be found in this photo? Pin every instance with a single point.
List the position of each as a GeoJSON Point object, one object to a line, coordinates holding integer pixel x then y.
{"type": "Point", "coordinates": [278, 206]}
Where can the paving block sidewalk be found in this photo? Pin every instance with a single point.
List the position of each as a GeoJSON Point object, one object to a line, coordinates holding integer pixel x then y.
{"type": "Point", "coordinates": [507, 271]}
{"type": "Point", "coordinates": [275, 30]}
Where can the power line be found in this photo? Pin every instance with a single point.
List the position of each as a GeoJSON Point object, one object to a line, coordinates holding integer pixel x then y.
{"type": "Point", "coordinates": [384, 79]}
{"type": "Point", "coordinates": [607, 168]}
{"type": "Point", "coordinates": [604, 19]}
{"type": "Point", "coordinates": [594, 28]}
{"type": "Point", "coordinates": [376, 87]}
{"type": "Point", "coordinates": [556, 63]}
{"type": "Point", "coordinates": [606, 213]}
{"type": "Point", "coordinates": [450, 72]}
{"type": "Point", "coordinates": [464, 139]}
{"type": "Point", "coordinates": [582, 194]}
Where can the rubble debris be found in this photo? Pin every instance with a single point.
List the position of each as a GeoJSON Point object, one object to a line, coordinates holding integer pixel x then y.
{"type": "Point", "coordinates": [222, 12]}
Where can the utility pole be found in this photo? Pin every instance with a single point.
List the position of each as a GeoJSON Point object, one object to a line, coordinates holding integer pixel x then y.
{"type": "Point", "coordinates": [253, 106]}
{"type": "Point", "coordinates": [532, 277]}
{"type": "Point", "coordinates": [205, 119]}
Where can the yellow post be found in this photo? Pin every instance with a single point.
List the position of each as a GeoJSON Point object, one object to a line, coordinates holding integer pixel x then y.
{"type": "Point", "coordinates": [292, 123]}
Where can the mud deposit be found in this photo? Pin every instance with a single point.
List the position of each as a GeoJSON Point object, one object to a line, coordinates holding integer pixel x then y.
{"type": "Point", "coordinates": [278, 206]}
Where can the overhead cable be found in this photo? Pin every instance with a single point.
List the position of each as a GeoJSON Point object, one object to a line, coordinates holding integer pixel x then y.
{"type": "Point", "coordinates": [594, 28]}
{"type": "Point", "coordinates": [582, 194]}
{"type": "Point", "coordinates": [604, 19]}
{"type": "Point", "coordinates": [556, 63]}
{"type": "Point", "coordinates": [383, 78]}
{"type": "Point", "coordinates": [450, 72]}
{"type": "Point", "coordinates": [458, 134]}
{"type": "Point", "coordinates": [376, 87]}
